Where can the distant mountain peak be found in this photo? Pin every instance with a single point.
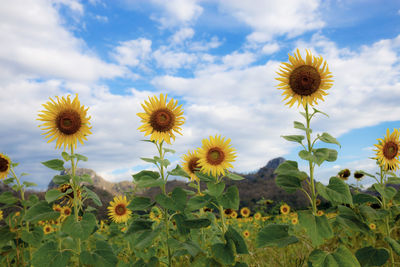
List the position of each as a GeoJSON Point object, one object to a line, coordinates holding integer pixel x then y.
{"type": "Point", "coordinates": [268, 170]}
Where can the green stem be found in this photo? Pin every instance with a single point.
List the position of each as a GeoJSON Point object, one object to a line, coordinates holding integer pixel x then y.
{"type": "Point", "coordinates": [75, 188]}
{"type": "Point", "coordinates": [221, 212]}
{"type": "Point", "coordinates": [310, 163]}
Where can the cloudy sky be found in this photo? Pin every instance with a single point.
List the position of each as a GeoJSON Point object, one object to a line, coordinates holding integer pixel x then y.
{"type": "Point", "coordinates": [217, 57]}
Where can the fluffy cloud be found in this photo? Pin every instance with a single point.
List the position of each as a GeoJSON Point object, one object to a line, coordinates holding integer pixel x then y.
{"type": "Point", "coordinates": [133, 52]}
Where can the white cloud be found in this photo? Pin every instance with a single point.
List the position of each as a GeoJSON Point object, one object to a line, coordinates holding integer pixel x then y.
{"type": "Point", "coordinates": [205, 45]}
{"type": "Point", "coordinates": [270, 48]}
{"type": "Point", "coordinates": [273, 18]}
{"type": "Point", "coordinates": [73, 5]}
{"type": "Point", "coordinates": [133, 53]}
{"type": "Point", "coordinates": [238, 60]}
{"type": "Point", "coordinates": [170, 59]}
{"type": "Point", "coordinates": [103, 19]}
{"type": "Point", "coordinates": [182, 35]}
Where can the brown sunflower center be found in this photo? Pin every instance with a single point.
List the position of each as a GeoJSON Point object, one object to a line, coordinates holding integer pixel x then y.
{"type": "Point", "coordinates": [215, 156]}
{"type": "Point", "coordinates": [193, 165]}
{"type": "Point", "coordinates": [284, 209]}
{"type": "Point", "coordinates": [305, 80]}
{"type": "Point", "coordinates": [390, 150]}
{"type": "Point", "coordinates": [3, 164]}
{"type": "Point", "coordinates": [228, 211]}
{"type": "Point", "coordinates": [47, 229]}
{"type": "Point", "coordinates": [162, 120]}
{"type": "Point", "coordinates": [67, 211]}
{"type": "Point", "coordinates": [120, 209]}
{"type": "Point", "coordinates": [68, 122]}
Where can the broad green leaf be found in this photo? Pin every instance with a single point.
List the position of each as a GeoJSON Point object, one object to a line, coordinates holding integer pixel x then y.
{"type": "Point", "coordinates": [149, 182]}
{"type": "Point", "coordinates": [192, 248]}
{"type": "Point", "coordinates": [327, 138]}
{"type": "Point", "coordinates": [41, 211]}
{"type": "Point", "coordinates": [293, 138]}
{"type": "Point", "coordinates": [317, 227]}
{"type": "Point", "coordinates": [178, 171]}
{"type": "Point", "coordinates": [34, 237]}
{"type": "Point", "coordinates": [324, 154]}
{"type": "Point", "coordinates": [166, 202]}
{"type": "Point", "coordinates": [370, 256]}
{"type": "Point", "coordinates": [197, 202]}
{"type": "Point", "coordinates": [61, 179]}
{"type": "Point", "coordinates": [54, 164]}
{"type": "Point", "coordinates": [234, 176]}
{"type": "Point", "coordinates": [179, 196]}
{"type": "Point", "coordinates": [81, 229]}
{"type": "Point", "coordinates": [393, 180]}
{"type": "Point", "coordinates": [86, 178]}
{"type": "Point", "coordinates": [275, 235]}
{"type": "Point", "coordinates": [230, 199]}
{"type": "Point", "coordinates": [299, 125]}
{"type": "Point", "coordinates": [369, 213]}
{"type": "Point", "coordinates": [288, 183]}
{"type": "Point", "coordinates": [205, 177]}
{"type": "Point", "coordinates": [303, 154]}
{"type": "Point", "coordinates": [138, 226]}
{"type": "Point", "coordinates": [237, 239]}
{"type": "Point", "coordinates": [394, 244]}
{"type": "Point", "coordinates": [349, 219]}
{"type": "Point", "coordinates": [364, 198]}
{"type": "Point", "coordinates": [7, 197]}
{"type": "Point", "coordinates": [93, 196]}
{"type": "Point", "coordinates": [146, 174]}
{"type": "Point", "coordinates": [387, 192]}
{"type": "Point", "coordinates": [145, 239]}
{"type": "Point", "coordinates": [223, 253]}
{"type": "Point", "coordinates": [180, 224]}
{"type": "Point", "coordinates": [196, 223]}
{"type": "Point", "coordinates": [102, 256]}
{"type": "Point", "coordinates": [66, 156]}
{"type": "Point", "coordinates": [80, 157]}
{"type": "Point", "coordinates": [337, 191]}
{"type": "Point", "coordinates": [342, 257]}
{"type": "Point", "coordinates": [215, 190]}
{"type": "Point", "coordinates": [28, 184]}
{"type": "Point", "coordinates": [53, 194]}
{"type": "Point", "coordinates": [6, 235]}
{"type": "Point", "coordinates": [140, 203]}
{"type": "Point", "coordinates": [48, 255]}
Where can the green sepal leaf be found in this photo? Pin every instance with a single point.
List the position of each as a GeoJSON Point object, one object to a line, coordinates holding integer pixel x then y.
{"type": "Point", "coordinates": [48, 255]}
{"type": "Point", "coordinates": [53, 194]}
{"type": "Point", "coordinates": [327, 138]}
{"type": "Point", "coordinates": [81, 229]}
{"type": "Point", "coordinates": [54, 164]}
{"type": "Point", "coordinates": [370, 256]}
{"type": "Point", "coordinates": [41, 211]}
{"type": "Point", "coordinates": [317, 227]}
{"type": "Point", "coordinates": [275, 235]}
{"type": "Point", "coordinates": [140, 203]}
{"type": "Point", "coordinates": [337, 191]}
{"type": "Point", "coordinates": [294, 138]}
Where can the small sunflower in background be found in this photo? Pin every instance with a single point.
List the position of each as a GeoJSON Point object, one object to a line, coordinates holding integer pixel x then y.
{"type": "Point", "coordinates": [160, 119]}
{"type": "Point", "coordinates": [66, 121]}
{"type": "Point", "coordinates": [320, 212]}
{"type": "Point", "coordinates": [388, 151]}
{"type": "Point", "coordinates": [245, 212]}
{"type": "Point", "coordinates": [358, 175]}
{"type": "Point", "coordinates": [118, 211]}
{"type": "Point", "coordinates": [234, 215]}
{"type": "Point", "coordinates": [257, 216]}
{"type": "Point", "coordinates": [246, 233]}
{"type": "Point", "coordinates": [285, 209]}
{"type": "Point", "coordinates": [190, 164]}
{"type": "Point", "coordinates": [228, 212]}
{"type": "Point", "coordinates": [216, 155]}
{"type": "Point", "coordinates": [304, 81]}
{"type": "Point", "coordinates": [48, 229]}
{"type": "Point", "coordinates": [372, 226]}
{"type": "Point", "coordinates": [68, 199]}
{"type": "Point", "coordinates": [344, 174]}
{"type": "Point", "coordinates": [5, 165]}
{"type": "Point", "coordinates": [1, 215]}
{"type": "Point", "coordinates": [295, 220]}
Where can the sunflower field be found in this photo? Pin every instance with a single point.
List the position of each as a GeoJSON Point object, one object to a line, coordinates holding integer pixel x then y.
{"type": "Point", "coordinates": [203, 227]}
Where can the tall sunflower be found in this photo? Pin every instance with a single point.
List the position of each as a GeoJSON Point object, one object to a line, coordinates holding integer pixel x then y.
{"type": "Point", "coordinates": [160, 119]}
{"type": "Point", "coordinates": [304, 81]}
{"type": "Point", "coordinates": [118, 210]}
{"type": "Point", "coordinates": [5, 163]}
{"type": "Point", "coordinates": [216, 155]}
{"type": "Point", "coordinates": [388, 150]}
{"type": "Point", "coordinates": [66, 121]}
{"type": "Point", "coordinates": [191, 164]}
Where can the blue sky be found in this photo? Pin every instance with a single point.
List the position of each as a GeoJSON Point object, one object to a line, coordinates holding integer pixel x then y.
{"type": "Point", "coordinates": [218, 58]}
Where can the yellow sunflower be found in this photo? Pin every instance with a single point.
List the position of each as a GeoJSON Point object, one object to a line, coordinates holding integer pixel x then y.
{"type": "Point", "coordinates": [246, 233]}
{"type": "Point", "coordinates": [388, 150]}
{"type": "Point", "coordinates": [190, 164]}
{"type": "Point", "coordinates": [66, 121]}
{"type": "Point", "coordinates": [118, 211]}
{"type": "Point", "coordinates": [285, 209]}
{"type": "Point", "coordinates": [257, 216]}
{"type": "Point", "coordinates": [295, 220]}
{"type": "Point", "coordinates": [5, 165]}
{"type": "Point", "coordinates": [160, 119]}
{"type": "Point", "coordinates": [1, 215]}
{"type": "Point", "coordinates": [304, 81]}
{"type": "Point", "coordinates": [234, 215]}
{"type": "Point", "coordinates": [245, 212]}
{"type": "Point", "coordinates": [216, 155]}
{"type": "Point", "coordinates": [372, 226]}
{"type": "Point", "coordinates": [48, 229]}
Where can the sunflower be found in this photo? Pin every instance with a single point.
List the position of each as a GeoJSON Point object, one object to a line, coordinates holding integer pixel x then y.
{"type": "Point", "coordinates": [66, 211]}
{"type": "Point", "coordinates": [285, 209]}
{"type": "Point", "coordinates": [228, 212]}
{"type": "Point", "coordinates": [246, 233]}
{"type": "Point", "coordinates": [216, 155]}
{"type": "Point", "coordinates": [388, 151]}
{"type": "Point", "coordinates": [295, 220]}
{"type": "Point", "coordinates": [234, 215]}
{"type": "Point", "coordinates": [68, 199]}
{"type": "Point", "coordinates": [5, 164]}
{"type": "Point", "coordinates": [304, 81]}
{"type": "Point", "coordinates": [48, 229]}
{"type": "Point", "coordinates": [358, 175]}
{"type": "Point", "coordinates": [344, 174]}
{"type": "Point", "coordinates": [320, 212]}
{"type": "Point", "coordinates": [257, 216]}
{"type": "Point", "coordinates": [118, 210]}
{"type": "Point", "coordinates": [245, 212]}
{"type": "Point", "coordinates": [66, 121]}
{"type": "Point", "coordinates": [161, 119]}
{"type": "Point", "coordinates": [1, 215]}
{"type": "Point", "coordinates": [372, 226]}
{"type": "Point", "coordinates": [190, 164]}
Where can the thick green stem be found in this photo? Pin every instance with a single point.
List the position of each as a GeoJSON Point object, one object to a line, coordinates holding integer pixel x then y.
{"type": "Point", "coordinates": [387, 227]}
{"type": "Point", "coordinates": [75, 188]}
{"type": "Point", "coordinates": [311, 164]}
{"type": "Point", "coordinates": [221, 212]}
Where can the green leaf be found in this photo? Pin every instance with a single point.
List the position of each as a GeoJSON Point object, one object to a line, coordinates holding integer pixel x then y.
{"type": "Point", "coordinates": [169, 150]}
{"type": "Point", "coordinates": [234, 176]}
{"type": "Point", "coordinates": [8, 198]}
{"type": "Point", "coordinates": [364, 198]}
{"type": "Point", "coordinates": [180, 224]}
{"type": "Point", "coordinates": [81, 229]}
{"type": "Point", "coordinates": [48, 255]}
{"type": "Point", "coordinates": [215, 190]}
{"type": "Point", "coordinates": [41, 211]}
{"type": "Point", "coordinates": [351, 220]}
{"type": "Point", "coordinates": [53, 194]}
{"type": "Point", "coordinates": [197, 202]}
{"type": "Point", "coordinates": [192, 248]}
{"type": "Point", "coordinates": [324, 154]}
{"type": "Point", "coordinates": [61, 179]}
{"type": "Point", "coordinates": [196, 223]}
{"type": "Point", "coordinates": [6, 235]}
{"type": "Point", "coordinates": [293, 138]}
{"type": "Point", "coordinates": [342, 257]}
{"type": "Point", "coordinates": [237, 239]}
{"type": "Point", "coordinates": [318, 111]}
{"type": "Point", "coordinates": [165, 202]}
{"type": "Point", "coordinates": [289, 168]}
{"type": "Point", "coordinates": [387, 192]}
{"type": "Point", "coordinates": [140, 203]}
{"type": "Point", "coordinates": [370, 256]}
{"type": "Point", "coordinates": [178, 171]}
{"type": "Point", "coordinates": [394, 244]}
{"type": "Point", "coordinates": [34, 237]}
{"type": "Point", "coordinates": [230, 199]}
{"type": "Point", "coordinates": [66, 156]}
{"type": "Point", "coordinates": [146, 175]}
{"type": "Point", "coordinates": [204, 177]}
{"type": "Point", "coordinates": [149, 160]}
{"type": "Point", "coordinates": [139, 225]}
{"type": "Point", "coordinates": [29, 184]}
{"type": "Point", "coordinates": [145, 239]}
{"type": "Point", "coordinates": [369, 213]}
{"type": "Point", "coordinates": [303, 154]}
{"type": "Point", "coordinates": [327, 138]}
{"type": "Point", "coordinates": [149, 182]}
{"type": "Point", "coordinates": [299, 125]}
{"type": "Point", "coordinates": [337, 191]}
{"type": "Point", "coordinates": [223, 253]}
{"type": "Point", "coordinates": [393, 180]}
{"type": "Point", "coordinates": [93, 196]}
{"type": "Point", "coordinates": [288, 183]}
{"type": "Point", "coordinates": [275, 235]}
{"type": "Point", "coordinates": [317, 227]}
{"type": "Point", "coordinates": [54, 164]}
{"type": "Point", "coordinates": [103, 256]}
{"type": "Point", "coordinates": [86, 178]}
{"type": "Point", "coordinates": [80, 157]}
{"type": "Point", "coordinates": [179, 198]}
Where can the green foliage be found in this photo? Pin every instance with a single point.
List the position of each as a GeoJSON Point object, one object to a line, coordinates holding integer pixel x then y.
{"type": "Point", "coordinates": [139, 226]}
{"type": "Point", "coordinates": [34, 237]}
{"type": "Point", "coordinates": [79, 229]}
{"type": "Point", "coordinates": [48, 255]}
{"type": "Point", "coordinates": [61, 179]}
{"type": "Point", "coordinates": [385, 191]}
{"type": "Point", "coordinates": [275, 235]}
{"type": "Point", "coordinates": [337, 191]}
{"type": "Point", "coordinates": [293, 138]}
{"type": "Point", "coordinates": [370, 256]}
{"type": "Point", "coordinates": [54, 194]}
{"type": "Point", "coordinates": [54, 164]}
{"type": "Point", "coordinates": [352, 221]}
{"type": "Point", "coordinates": [230, 199]}
{"type": "Point", "coordinates": [214, 189]}
{"type": "Point", "coordinates": [41, 211]}
{"type": "Point", "coordinates": [342, 257]}
{"type": "Point", "coordinates": [317, 227]}
{"type": "Point", "coordinates": [8, 198]}
{"type": "Point", "coordinates": [289, 177]}
{"type": "Point", "coordinates": [140, 203]}
{"type": "Point", "coordinates": [327, 138]}
{"type": "Point", "coordinates": [394, 244]}
{"type": "Point", "coordinates": [102, 256]}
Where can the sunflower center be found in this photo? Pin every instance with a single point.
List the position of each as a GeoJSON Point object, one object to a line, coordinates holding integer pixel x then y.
{"type": "Point", "coordinates": [193, 165]}
{"type": "Point", "coordinates": [284, 209]}
{"type": "Point", "coordinates": [215, 156]}
{"type": "Point", "coordinates": [68, 122]}
{"type": "Point", "coordinates": [305, 80]}
{"type": "Point", "coordinates": [3, 164]}
{"type": "Point", "coordinates": [390, 150]}
{"type": "Point", "coordinates": [162, 120]}
{"type": "Point", "coordinates": [120, 209]}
